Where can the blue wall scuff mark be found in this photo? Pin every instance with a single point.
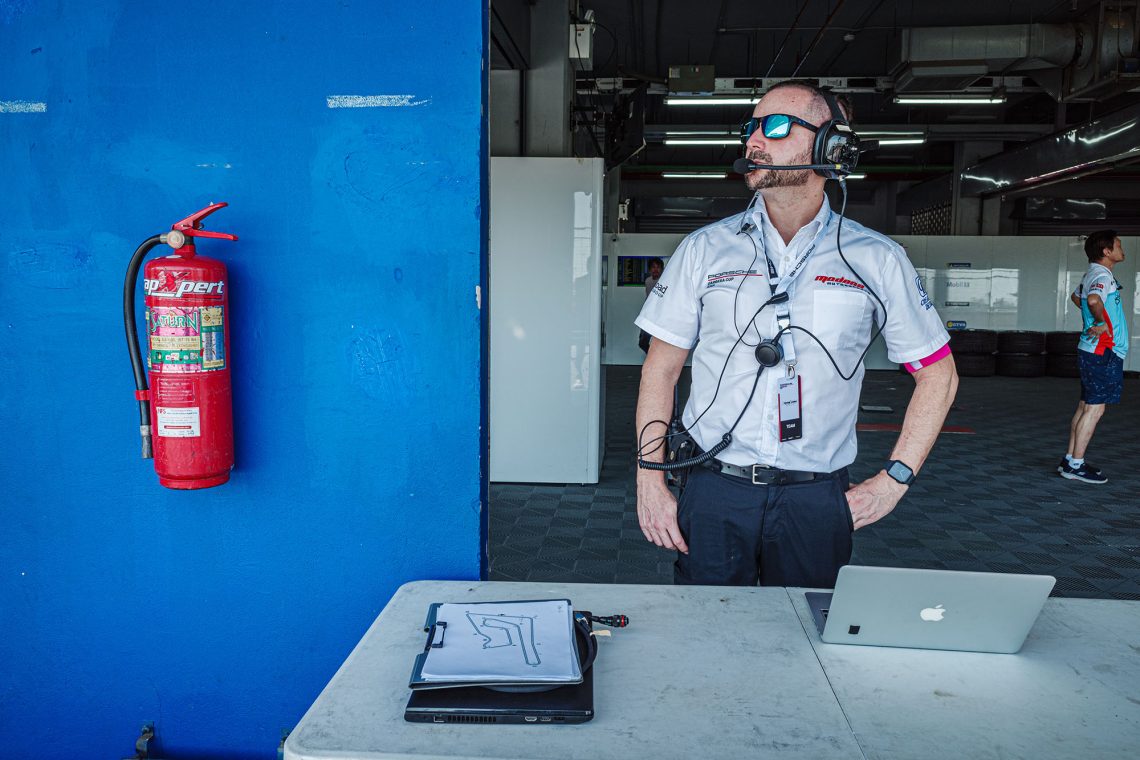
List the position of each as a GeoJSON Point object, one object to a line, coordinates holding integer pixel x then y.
{"type": "Point", "coordinates": [356, 356]}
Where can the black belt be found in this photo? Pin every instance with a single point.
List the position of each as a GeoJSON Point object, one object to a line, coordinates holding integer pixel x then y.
{"type": "Point", "coordinates": [763, 475]}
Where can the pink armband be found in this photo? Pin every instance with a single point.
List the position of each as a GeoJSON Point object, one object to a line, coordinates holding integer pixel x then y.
{"type": "Point", "coordinates": [937, 356]}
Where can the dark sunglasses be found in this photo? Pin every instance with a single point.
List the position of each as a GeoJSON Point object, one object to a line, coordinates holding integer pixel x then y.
{"type": "Point", "coordinates": [774, 126]}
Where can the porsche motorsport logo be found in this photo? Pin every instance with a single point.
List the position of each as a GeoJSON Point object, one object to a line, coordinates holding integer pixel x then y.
{"type": "Point", "coordinates": [721, 278]}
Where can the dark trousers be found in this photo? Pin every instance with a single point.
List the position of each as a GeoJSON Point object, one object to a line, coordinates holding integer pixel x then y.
{"type": "Point", "coordinates": [740, 534]}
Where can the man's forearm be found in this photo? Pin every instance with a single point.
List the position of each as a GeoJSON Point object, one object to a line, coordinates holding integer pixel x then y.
{"type": "Point", "coordinates": [935, 388]}
{"type": "Point", "coordinates": [655, 404]}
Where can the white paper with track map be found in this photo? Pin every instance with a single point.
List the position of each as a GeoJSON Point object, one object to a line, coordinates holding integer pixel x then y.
{"type": "Point", "coordinates": [503, 642]}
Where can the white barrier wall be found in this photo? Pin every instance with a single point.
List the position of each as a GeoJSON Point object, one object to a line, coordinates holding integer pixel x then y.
{"type": "Point", "coordinates": [997, 283]}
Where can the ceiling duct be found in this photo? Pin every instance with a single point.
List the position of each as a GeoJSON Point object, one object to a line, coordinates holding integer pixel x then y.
{"type": "Point", "coordinates": [1107, 61]}
{"type": "Point", "coordinates": [1101, 145]}
{"type": "Point", "coordinates": [947, 59]}
{"type": "Point", "coordinates": [1092, 59]}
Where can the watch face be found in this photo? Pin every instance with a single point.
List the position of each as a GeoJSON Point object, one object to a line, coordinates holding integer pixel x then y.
{"type": "Point", "coordinates": [900, 472]}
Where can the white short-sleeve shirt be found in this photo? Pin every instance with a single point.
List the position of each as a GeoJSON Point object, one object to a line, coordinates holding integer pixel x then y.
{"type": "Point", "coordinates": [719, 270]}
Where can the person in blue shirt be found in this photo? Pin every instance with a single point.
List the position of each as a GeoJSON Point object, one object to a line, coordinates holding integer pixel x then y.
{"type": "Point", "coordinates": [1101, 350]}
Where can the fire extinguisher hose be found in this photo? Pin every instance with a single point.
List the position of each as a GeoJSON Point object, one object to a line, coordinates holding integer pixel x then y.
{"type": "Point", "coordinates": [129, 287]}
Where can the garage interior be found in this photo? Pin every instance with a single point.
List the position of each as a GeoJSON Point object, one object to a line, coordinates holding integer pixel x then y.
{"type": "Point", "coordinates": [443, 214]}
{"type": "Point", "coordinates": [1006, 133]}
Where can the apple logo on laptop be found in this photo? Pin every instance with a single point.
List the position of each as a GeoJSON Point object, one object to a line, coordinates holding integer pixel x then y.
{"type": "Point", "coordinates": [932, 614]}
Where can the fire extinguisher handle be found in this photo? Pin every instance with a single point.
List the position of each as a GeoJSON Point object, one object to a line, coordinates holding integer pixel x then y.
{"type": "Point", "coordinates": [191, 226]}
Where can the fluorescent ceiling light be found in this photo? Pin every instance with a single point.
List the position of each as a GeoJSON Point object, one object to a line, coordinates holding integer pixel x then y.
{"type": "Point", "coordinates": [889, 133]}
{"type": "Point", "coordinates": [712, 101]}
{"type": "Point", "coordinates": [694, 175]}
{"type": "Point", "coordinates": [949, 100]}
{"type": "Point", "coordinates": [709, 132]}
{"type": "Point", "coordinates": [900, 141]}
{"type": "Point", "coordinates": [856, 176]}
{"type": "Point", "coordinates": [701, 141]}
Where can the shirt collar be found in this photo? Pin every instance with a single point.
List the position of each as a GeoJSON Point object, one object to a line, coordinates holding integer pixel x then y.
{"type": "Point", "coordinates": [759, 216]}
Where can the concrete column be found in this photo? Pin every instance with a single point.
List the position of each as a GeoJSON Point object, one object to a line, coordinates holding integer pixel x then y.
{"type": "Point", "coordinates": [966, 213]}
{"type": "Point", "coordinates": [506, 112]}
{"type": "Point", "coordinates": [549, 83]}
{"type": "Point", "coordinates": [612, 193]}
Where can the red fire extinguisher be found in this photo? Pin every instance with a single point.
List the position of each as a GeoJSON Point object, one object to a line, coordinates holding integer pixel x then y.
{"type": "Point", "coordinates": [186, 409]}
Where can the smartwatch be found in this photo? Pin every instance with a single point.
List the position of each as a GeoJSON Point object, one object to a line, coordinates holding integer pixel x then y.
{"type": "Point", "coordinates": [900, 472]}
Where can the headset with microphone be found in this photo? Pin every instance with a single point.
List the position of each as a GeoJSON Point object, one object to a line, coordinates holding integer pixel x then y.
{"type": "Point", "coordinates": [835, 151]}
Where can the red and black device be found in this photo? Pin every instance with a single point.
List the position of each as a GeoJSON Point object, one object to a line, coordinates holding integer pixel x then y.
{"type": "Point", "coordinates": [186, 408]}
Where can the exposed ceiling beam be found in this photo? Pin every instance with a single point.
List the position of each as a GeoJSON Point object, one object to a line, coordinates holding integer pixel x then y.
{"type": "Point", "coordinates": [756, 86]}
{"type": "Point", "coordinates": [1081, 151]}
{"type": "Point", "coordinates": [932, 132]}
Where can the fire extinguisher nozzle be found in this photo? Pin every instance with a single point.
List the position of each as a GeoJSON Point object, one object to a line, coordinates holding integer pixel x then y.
{"type": "Point", "coordinates": [147, 446]}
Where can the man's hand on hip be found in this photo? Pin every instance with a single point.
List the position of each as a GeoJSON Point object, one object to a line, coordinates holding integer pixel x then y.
{"type": "Point", "coordinates": [873, 499]}
{"type": "Point", "coordinates": [657, 514]}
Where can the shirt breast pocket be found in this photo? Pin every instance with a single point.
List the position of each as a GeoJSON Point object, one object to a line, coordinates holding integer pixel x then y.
{"type": "Point", "coordinates": [837, 318]}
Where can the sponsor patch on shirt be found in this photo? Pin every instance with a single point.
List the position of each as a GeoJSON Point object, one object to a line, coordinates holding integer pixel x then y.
{"type": "Point", "coordinates": [722, 278]}
{"type": "Point", "coordinates": [926, 302]}
{"type": "Point", "coordinates": [659, 290]}
{"type": "Point", "coordinates": [842, 282]}
{"type": "Point", "coordinates": [1097, 286]}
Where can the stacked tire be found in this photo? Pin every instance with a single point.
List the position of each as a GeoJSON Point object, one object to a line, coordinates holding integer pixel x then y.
{"type": "Point", "coordinates": [1021, 353]}
{"type": "Point", "coordinates": [974, 352]}
{"type": "Point", "coordinates": [1061, 354]}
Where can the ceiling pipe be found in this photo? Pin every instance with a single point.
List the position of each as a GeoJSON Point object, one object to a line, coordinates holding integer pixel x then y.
{"type": "Point", "coordinates": [818, 35]}
{"type": "Point", "coordinates": [791, 28]}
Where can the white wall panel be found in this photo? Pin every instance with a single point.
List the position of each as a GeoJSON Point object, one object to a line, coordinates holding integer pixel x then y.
{"type": "Point", "coordinates": [623, 304]}
{"type": "Point", "coordinates": [545, 292]}
{"type": "Point", "coordinates": [1010, 283]}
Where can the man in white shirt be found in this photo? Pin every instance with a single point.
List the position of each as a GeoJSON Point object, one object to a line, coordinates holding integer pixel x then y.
{"type": "Point", "coordinates": [774, 506]}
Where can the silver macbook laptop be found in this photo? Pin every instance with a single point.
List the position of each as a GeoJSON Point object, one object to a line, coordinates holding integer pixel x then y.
{"type": "Point", "coordinates": [930, 609]}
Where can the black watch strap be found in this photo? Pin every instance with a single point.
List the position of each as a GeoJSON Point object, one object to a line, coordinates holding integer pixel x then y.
{"type": "Point", "coordinates": [900, 472]}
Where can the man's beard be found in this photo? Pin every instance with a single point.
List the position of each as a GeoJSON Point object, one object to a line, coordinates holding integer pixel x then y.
{"type": "Point", "coordinates": [765, 178]}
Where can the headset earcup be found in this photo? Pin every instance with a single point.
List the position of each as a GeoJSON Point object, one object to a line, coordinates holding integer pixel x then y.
{"type": "Point", "coordinates": [819, 148]}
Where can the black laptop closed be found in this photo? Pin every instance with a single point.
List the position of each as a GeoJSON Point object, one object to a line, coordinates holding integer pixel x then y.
{"type": "Point", "coordinates": [476, 704]}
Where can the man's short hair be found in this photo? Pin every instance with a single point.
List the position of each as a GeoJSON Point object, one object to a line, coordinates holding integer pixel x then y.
{"type": "Point", "coordinates": [656, 261]}
{"type": "Point", "coordinates": [1097, 242]}
{"type": "Point", "coordinates": [820, 101]}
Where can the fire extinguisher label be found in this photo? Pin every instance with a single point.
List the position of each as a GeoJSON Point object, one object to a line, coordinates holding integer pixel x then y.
{"type": "Point", "coordinates": [178, 422]}
{"type": "Point", "coordinates": [213, 338]}
{"type": "Point", "coordinates": [186, 338]}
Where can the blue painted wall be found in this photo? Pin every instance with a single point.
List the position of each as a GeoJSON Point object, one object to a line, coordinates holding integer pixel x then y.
{"type": "Point", "coordinates": [220, 614]}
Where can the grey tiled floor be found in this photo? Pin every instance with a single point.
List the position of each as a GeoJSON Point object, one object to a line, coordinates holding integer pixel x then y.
{"type": "Point", "coordinates": [988, 501]}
